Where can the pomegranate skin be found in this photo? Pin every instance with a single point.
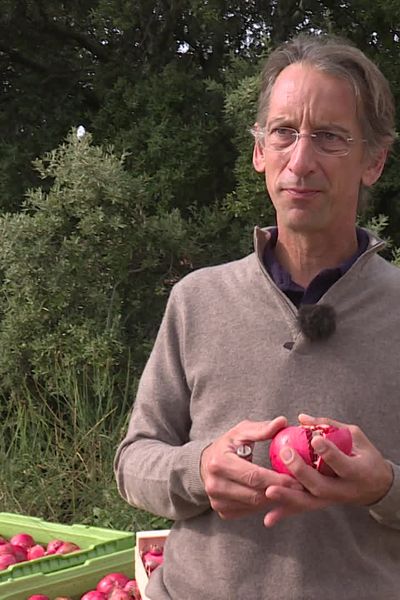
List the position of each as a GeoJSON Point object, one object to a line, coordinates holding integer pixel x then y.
{"type": "Point", "coordinates": [22, 539]}
{"type": "Point", "coordinates": [299, 438]}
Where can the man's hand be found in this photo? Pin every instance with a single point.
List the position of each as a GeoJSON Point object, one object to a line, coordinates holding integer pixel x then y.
{"type": "Point", "coordinates": [236, 487]}
{"type": "Point", "coordinates": [362, 478]}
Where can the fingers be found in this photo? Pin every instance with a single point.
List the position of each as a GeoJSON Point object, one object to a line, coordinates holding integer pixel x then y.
{"type": "Point", "coordinates": [305, 419]}
{"type": "Point", "coordinates": [290, 502]}
{"type": "Point", "coordinates": [344, 466]}
{"type": "Point", "coordinates": [321, 487]}
{"type": "Point", "coordinates": [256, 431]}
{"type": "Point", "coordinates": [235, 486]}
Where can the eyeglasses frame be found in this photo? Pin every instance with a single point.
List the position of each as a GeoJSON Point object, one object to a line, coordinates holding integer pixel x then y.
{"type": "Point", "coordinates": [259, 134]}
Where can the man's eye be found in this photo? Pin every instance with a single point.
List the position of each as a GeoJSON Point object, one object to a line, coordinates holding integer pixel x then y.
{"type": "Point", "coordinates": [328, 136]}
{"type": "Point", "coordinates": [282, 132]}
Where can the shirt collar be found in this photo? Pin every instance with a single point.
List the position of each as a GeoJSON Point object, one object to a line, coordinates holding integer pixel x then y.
{"type": "Point", "coordinates": [321, 283]}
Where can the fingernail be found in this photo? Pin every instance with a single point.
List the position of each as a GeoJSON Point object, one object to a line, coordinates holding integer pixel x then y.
{"type": "Point", "coordinates": [286, 455]}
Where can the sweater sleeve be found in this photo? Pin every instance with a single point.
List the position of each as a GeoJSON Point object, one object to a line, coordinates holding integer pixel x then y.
{"type": "Point", "coordinates": [157, 465]}
{"type": "Point", "coordinates": [387, 510]}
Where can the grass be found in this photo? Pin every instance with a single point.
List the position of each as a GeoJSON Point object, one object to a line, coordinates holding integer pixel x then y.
{"type": "Point", "coordinates": [57, 451]}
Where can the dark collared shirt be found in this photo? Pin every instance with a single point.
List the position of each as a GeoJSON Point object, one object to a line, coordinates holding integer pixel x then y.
{"type": "Point", "coordinates": [320, 284]}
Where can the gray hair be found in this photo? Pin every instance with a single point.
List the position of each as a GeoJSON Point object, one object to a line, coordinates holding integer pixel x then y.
{"type": "Point", "coordinates": [338, 57]}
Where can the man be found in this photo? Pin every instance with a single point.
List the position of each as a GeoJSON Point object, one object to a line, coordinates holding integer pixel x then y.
{"type": "Point", "coordinates": [234, 362]}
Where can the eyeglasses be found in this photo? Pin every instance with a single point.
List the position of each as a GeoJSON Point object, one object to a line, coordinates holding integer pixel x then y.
{"type": "Point", "coordinates": [283, 139]}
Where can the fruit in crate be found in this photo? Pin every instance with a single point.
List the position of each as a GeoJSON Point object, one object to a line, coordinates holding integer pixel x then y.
{"type": "Point", "coordinates": [116, 586]}
{"type": "Point", "coordinates": [153, 558]}
{"type": "Point", "coordinates": [23, 547]}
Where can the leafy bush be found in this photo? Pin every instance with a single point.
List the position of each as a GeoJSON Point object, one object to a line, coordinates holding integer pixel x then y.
{"type": "Point", "coordinates": [85, 267]}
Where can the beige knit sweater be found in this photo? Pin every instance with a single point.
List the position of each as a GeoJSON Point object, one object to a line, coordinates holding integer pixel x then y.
{"type": "Point", "coordinates": [220, 358]}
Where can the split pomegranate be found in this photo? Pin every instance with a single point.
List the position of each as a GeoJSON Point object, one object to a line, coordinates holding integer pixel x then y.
{"type": "Point", "coordinates": [299, 438]}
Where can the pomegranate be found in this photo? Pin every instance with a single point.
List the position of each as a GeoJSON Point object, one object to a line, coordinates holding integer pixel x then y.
{"type": "Point", "coordinates": [20, 553]}
{"type": "Point", "coordinates": [36, 551]}
{"type": "Point", "coordinates": [22, 539]}
{"type": "Point", "coordinates": [111, 581]}
{"type": "Point", "coordinates": [153, 558]}
{"type": "Point", "coordinates": [118, 594]}
{"type": "Point", "coordinates": [132, 588]}
{"type": "Point", "coordinates": [67, 547]}
{"type": "Point", "coordinates": [6, 548]}
{"type": "Point", "coordinates": [299, 438]}
{"type": "Point", "coordinates": [94, 595]}
{"type": "Point", "coordinates": [53, 546]}
{"type": "Point", "coordinates": [6, 560]}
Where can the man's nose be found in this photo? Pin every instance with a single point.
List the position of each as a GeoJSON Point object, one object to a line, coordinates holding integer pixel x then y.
{"type": "Point", "coordinates": [302, 157]}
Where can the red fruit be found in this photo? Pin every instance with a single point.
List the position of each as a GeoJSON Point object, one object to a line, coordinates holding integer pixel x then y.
{"type": "Point", "coordinates": [132, 588]}
{"type": "Point", "coordinates": [38, 597]}
{"type": "Point", "coordinates": [53, 546]}
{"type": "Point", "coordinates": [153, 558]}
{"type": "Point", "coordinates": [22, 539]}
{"type": "Point", "coordinates": [2, 540]}
{"type": "Point", "coordinates": [118, 594]}
{"type": "Point", "coordinates": [111, 581]}
{"type": "Point", "coordinates": [20, 553]}
{"type": "Point", "coordinates": [6, 548]}
{"type": "Point", "coordinates": [36, 551]}
{"type": "Point", "coordinates": [94, 595]}
{"type": "Point", "coordinates": [67, 547]}
{"type": "Point", "coordinates": [299, 438]}
{"type": "Point", "coordinates": [6, 560]}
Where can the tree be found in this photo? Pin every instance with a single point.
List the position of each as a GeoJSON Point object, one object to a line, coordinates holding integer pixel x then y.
{"type": "Point", "coordinates": [80, 264]}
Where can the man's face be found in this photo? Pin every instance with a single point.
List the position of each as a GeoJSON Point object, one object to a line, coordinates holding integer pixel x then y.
{"type": "Point", "coordinates": [312, 192]}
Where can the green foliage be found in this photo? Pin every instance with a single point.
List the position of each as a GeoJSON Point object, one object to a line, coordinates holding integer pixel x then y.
{"type": "Point", "coordinates": [79, 266]}
{"type": "Point", "coordinates": [57, 454]}
{"type": "Point", "coordinates": [172, 126]}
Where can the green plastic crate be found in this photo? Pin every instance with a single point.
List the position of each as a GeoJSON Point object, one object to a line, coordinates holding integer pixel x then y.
{"type": "Point", "coordinates": [93, 541]}
{"type": "Point", "coordinates": [73, 582]}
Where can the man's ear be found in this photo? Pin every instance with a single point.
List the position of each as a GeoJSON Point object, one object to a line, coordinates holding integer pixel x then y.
{"type": "Point", "coordinates": [374, 168]}
{"type": "Point", "coordinates": [258, 157]}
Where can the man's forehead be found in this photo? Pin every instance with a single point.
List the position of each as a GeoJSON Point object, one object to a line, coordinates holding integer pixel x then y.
{"type": "Point", "coordinates": [303, 89]}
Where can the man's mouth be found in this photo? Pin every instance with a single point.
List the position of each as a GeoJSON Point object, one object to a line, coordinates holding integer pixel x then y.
{"type": "Point", "coordinates": [301, 192]}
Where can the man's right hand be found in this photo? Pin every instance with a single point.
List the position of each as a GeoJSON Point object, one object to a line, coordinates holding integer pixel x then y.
{"type": "Point", "coordinates": [236, 487]}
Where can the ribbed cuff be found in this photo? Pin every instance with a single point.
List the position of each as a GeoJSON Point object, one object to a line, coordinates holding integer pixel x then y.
{"type": "Point", "coordinates": [387, 510]}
